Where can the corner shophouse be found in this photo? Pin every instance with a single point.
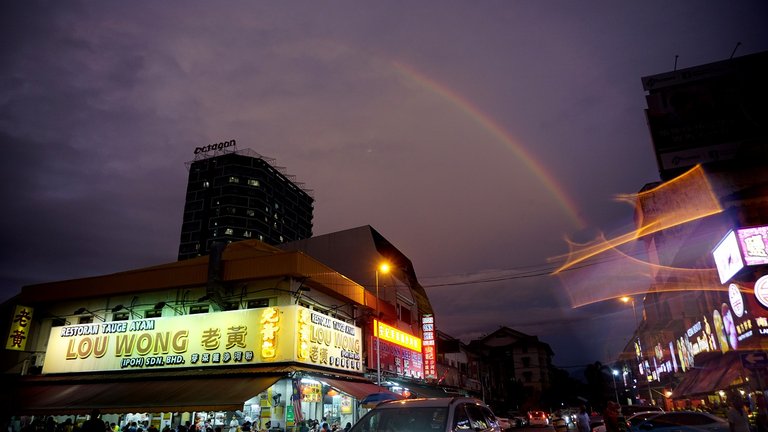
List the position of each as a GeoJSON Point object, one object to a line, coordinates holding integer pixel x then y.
{"type": "Point", "coordinates": [251, 333]}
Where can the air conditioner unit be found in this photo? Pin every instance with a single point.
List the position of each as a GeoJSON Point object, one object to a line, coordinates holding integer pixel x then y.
{"type": "Point", "coordinates": [39, 359]}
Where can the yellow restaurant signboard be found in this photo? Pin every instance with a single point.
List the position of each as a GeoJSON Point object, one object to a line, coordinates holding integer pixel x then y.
{"type": "Point", "coordinates": [252, 336]}
{"type": "Point", "coordinates": [17, 334]}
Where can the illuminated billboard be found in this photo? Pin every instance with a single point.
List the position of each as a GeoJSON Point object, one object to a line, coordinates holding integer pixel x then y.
{"type": "Point", "coordinates": [739, 248]}
{"type": "Point", "coordinates": [429, 346]}
{"type": "Point", "coordinates": [252, 336]}
{"type": "Point", "coordinates": [400, 351]}
{"type": "Point", "coordinates": [728, 257]}
{"type": "Point", "coordinates": [754, 245]}
{"type": "Point", "coordinates": [17, 334]}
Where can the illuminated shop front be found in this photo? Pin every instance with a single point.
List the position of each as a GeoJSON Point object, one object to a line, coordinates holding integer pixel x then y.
{"type": "Point", "coordinates": [708, 356]}
{"type": "Point", "coordinates": [401, 352]}
{"type": "Point", "coordinates": [273, 367]}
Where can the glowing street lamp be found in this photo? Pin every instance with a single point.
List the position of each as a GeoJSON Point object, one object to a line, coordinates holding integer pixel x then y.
{"type": "Point", "coordinates": [627, 299]}
{"type": "Point", "coordinates": [383, 268]}
{"type": "Point", "coordinates": [615, 389]}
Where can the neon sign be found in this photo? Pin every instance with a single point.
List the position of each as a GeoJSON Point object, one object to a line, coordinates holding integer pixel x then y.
{"type": "Point", "coordinates": [396, 336]}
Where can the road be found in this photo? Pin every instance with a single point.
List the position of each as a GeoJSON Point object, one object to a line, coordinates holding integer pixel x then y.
{"type": "Point", "coordinates": [535, 429]}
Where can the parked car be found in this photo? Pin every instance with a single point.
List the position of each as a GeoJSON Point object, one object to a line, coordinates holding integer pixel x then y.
{"type": "Point", "coordinates": [538, 418]}
{"type": "Point", "coordinates": [630, 410]}
{"type": "Point", "coordinates": [682, 421]}
{"type": "Point", "coordinates": [640, 417]}
{"type": "Point", "coordinates": [504, 423]}
{"type": "Point", "coordinates": [596, 423]}
{"type": "Point", "coordinates": [429, 414]}
{"type": "Point", "coordinates": [631, 420]}
{"type": "Point", "coordinates": [517, 419]}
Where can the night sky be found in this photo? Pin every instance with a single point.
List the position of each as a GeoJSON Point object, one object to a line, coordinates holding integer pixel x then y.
{"type": "Point", "coordinates": [475, 136]}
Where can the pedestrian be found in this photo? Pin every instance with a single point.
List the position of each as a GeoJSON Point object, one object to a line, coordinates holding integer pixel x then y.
{"type": "Point", "coordinates": [582, 420]}
{"type": "Point", "coordinates": [761, 419]}
{"type": "Point", "coordinates": [738, 421]}
{"type": "Point", "coordinates": [94, 423]}
{"type": "Point", "coordinates": [614, 422]}
{"type": "Point", "coordinates": [347, 427]}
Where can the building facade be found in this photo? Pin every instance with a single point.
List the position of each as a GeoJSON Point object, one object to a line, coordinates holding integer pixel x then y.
{"type": "Point", "coordinates": [272, 338]}
{"type": "Point", "coordinates": [250, 331]}
{"type": "Point", "coordinates": [703, 312]}
{"type": "Point", "coordinates": [404, 307]}
{"type": "Point", "coordinates": [241, 195]}
{"type": "Point", "coordinates": [515, 368]}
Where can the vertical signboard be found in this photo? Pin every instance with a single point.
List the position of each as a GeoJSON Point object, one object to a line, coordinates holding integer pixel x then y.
{"type": "Point", "coordinates": [429, 347]}
{"type": "Point", "coordinates": [19, 331]}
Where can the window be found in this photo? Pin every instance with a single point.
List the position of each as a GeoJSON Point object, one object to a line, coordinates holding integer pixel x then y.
{"type": "Point", "coordinates": [247, 234]}
{"type": "Point", "coordinates": [528, 377]}
{"type": "Point", "coordinates": [259, 303]}
{"type": "Point", "coordinates": [198, 309]}
{"type": "Point", "coordinates": [234, 179]}
{"type": "Point", "coordinates": [120, 316]}
{"type": "Point", "coordinates": [403, 313]}
{"type": "Point", "coordinates": [461, 419]}
{"type": "Point", "coordinates": [85, 320]}
{"type": "Point", "coordinates": [206, 184]}
{"type": "Point", "coordinates": [229, 231]}
{"type": "Point", "coordinates": [476, 417]}
{"type": "Point", "coordinates": [526, 361]}
{"type": "Point", "coordinates": [253, 182]}
{"type": "Point", "coordinates": [153, 313]}
{"type": "Point", "coordinates": [250, 213]}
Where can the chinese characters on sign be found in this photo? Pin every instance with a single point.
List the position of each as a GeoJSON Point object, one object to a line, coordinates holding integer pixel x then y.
{"type": "Point", "coordinates": [430, 353]}
{"type": "Point", "coordinates": [17, 335]}
{"type": "Point", "coordinates": [401, 352]}
{"type": "Point", "coordinates": [251, 336]}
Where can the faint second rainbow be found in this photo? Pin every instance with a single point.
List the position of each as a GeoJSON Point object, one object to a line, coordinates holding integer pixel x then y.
{"type": "Point", "coordinates": [497, 131]}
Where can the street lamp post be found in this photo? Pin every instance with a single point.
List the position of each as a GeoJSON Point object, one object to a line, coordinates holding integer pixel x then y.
{"type": "Point", "coordinates": [615, 389]}
{"type": "Point", "coordinates": [627, 299]}
{"type": "Point", "coordinates": [383, 268]}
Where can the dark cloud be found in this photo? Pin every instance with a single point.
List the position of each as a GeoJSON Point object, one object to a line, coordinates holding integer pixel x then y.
{"type": "Point", "coordinates": [414, 118]}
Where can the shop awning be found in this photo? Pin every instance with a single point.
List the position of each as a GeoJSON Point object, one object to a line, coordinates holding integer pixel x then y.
{"type": "Point", "coordinates": [715, 373]}
{"type": "Point", "coordinates": [356, 389]}
{"type": "Point", "coordinates": [733, 371]}
{"type": "Point", "coordinates": [166, 395]}
{"type": "Point", "coordinates": [686, 384]}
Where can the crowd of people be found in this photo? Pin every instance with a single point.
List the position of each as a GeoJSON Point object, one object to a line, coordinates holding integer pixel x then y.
{"type": "Point", "coordinates": [95, 423]}
{"type": "Point", "coordinates": [322, 426]}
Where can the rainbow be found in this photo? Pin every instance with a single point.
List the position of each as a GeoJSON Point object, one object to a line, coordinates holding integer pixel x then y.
{"type": "Point", "coordinates": [492, 127]}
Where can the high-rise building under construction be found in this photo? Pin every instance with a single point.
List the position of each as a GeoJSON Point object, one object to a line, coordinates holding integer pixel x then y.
{"type": "Point", "coordinates": [238, 195]}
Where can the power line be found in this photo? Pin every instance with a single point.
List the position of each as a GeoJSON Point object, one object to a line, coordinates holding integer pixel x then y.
{"type": "Point", "coordinates": [538, 271]}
